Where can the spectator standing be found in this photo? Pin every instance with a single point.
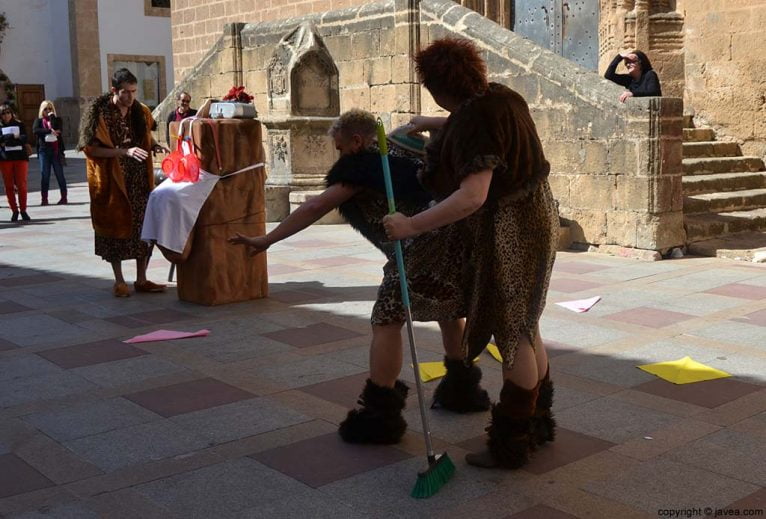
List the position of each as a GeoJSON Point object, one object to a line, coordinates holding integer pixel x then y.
{"type": "Point", "coordinates": [14, 161]}
{"type": "Point", "coordinates": [48, 128]}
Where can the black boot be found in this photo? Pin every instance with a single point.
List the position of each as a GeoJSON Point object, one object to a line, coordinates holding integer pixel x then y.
{"type": "Point", "coordinates": [543, 423]}
{"type": "Point", "coordinates": [380, 419]}
{"type": "Point", "coordinates": [510, 439]}
{"type": "Point", "coordinates": [459, 390]}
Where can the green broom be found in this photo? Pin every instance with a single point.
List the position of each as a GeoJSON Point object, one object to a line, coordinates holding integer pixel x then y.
{"type": "Point", "coordinates": [440, 468]}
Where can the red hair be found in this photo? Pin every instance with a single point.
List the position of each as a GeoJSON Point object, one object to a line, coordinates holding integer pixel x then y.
{"type": "Point", "coordinates": [452, 66]}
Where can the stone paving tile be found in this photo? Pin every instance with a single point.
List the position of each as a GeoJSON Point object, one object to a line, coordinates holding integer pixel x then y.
{"type": "Point", "coordinates": [710, 393]}
{"type": "Point", "coordinates": [29, 330]}
{"type": "Point", "coordinates": [338, 261]}
{"type": "Point", "coordinates": [343, 391]}
{"type": "Point", "coordinates": [293, 297]}
{"type": "Point", "coordinates": [41, 387]}
{"type": "Point", "coordinates": [319, 333]}
{"type": "Point", "coordinates": [325, 459]}
{"type": "Point", "coordinates": [572, 285]}
{"type": "Point", "coordinates": [25, 366]}
{"type": "Point", "coordinates": [33, 279]}
{"type": "Point", "coordinates": [9, 307]}
{"type": "Point", "coordinates": [662, 484]}
{"type": "Point", "coordinates": [78, 510]}
{"type": "Point", "coordinates": [650, 317]}
{"type": "Point", "coordinates": [704, 280]}
{"type": "Point", "coordinates": [755, 501]}
{"type": "Point", "coordinates": [240, 419]}
{"type": "Point", "coordinates": [735, 454]}
{"type": "Point", "coordinates": [379, 493]}
{"type": "Point", "coordinates": [55, 461]}
{"type": "Point", "coordinates": [697, 304]}
{"type": "Point", "coordinates": [90, 418]}
{"type": "Point", "coordinates": [306, 372]}
{"type": "Point", "coordinates": [137, 444]}
{"type": "Point", "coordinates": [613, 420]}
{"type": "Point", "coordinates": [578, 267]}
{"type": "Point", "coordinates": [7, 345]}
{"type": "Point", "coordinates": [541, 512]}
{"type": "Point", "coordinates": [241, 488]}
{"type": "Point", "coordinates": [188, 397]}
{"type": "Point", "coordinates": [745, 333]}
{"type": "Point", "coordinates": [69, 316]}
{"type": "Point", "coordinates": [577, 335]}
{"type": "Point", "coordinates": [18, 477]}
{"type": "Point", "coordinates": [758, 317]}
{"type": "Point", "coordinates": [619, 371]}
{"type": "Point", "coordinates": [740, 290]}
{"type": "Point", "coordinates": [91, 353]}
{"type": "Point", "coordinates": [128, 371]}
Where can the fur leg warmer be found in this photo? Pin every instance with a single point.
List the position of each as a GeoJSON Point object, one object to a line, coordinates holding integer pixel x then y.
{"type": "Point", "coordinates": [543, 421]}
{"type": "Point", "coordinates": [510, 431]}
{"type": "Point", "coordinates": [459, 390]}
{"type": "Point", "coordinates": [379, 420]}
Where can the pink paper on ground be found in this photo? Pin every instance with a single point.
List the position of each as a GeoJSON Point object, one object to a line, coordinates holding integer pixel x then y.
{"type": "Point", "coordinates": [166, 335]}
{"type": "Point", "coordinates": [581, 305]}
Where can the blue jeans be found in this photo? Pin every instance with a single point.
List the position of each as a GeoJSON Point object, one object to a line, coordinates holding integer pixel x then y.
{"type": "Point", "coordinates": [48, 159]}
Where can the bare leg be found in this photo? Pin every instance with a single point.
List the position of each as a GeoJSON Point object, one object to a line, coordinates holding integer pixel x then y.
{"type": "Point", "coordinates": [524, 372]}
{"type": "Point", "coordinates": [386, 354]}
{"type": "Point", "coordinates": [541, 355]}
{"type": "Point", "coordinates": [452, 338]}
{"type": "Point", "coordinates": [141, 264]}
{"type": "Point", "coordinates": [117, 269]}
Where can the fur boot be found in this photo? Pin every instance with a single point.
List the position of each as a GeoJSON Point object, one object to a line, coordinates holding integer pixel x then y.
{"type": "Point", "coordinates": [510, 439]}
{"type": "Point", "coordinates": [543, 422]}
{"type": "Point", "coordinates": [459, 390]}
{"type": "Point", "coordinates": [380, 418]}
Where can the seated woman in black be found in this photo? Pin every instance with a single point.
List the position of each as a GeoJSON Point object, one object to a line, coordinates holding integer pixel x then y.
{"type": "Point", "coordinates": [640, 81]}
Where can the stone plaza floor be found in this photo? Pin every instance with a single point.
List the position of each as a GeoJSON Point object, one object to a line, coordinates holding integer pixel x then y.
{"type": "Point", "coordinates": [242, 423]}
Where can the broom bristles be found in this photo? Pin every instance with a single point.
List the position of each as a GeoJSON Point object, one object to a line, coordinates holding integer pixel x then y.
{"type": "Point", "coordinates": [434, 477]}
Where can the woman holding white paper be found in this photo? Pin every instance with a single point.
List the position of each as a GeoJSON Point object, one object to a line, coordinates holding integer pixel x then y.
{"type": "Point", "coordinates": [14, 161]}
{"type": "Point", "coordinates": [50, 150]}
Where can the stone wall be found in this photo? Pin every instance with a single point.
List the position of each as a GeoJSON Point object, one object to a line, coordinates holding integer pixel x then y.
{"type": "Point", "coordinates": [725, 84]}
{"type": "Point", "coordinates": [197, 24]}
{"type": "Point", "coordinates": [616, 168]}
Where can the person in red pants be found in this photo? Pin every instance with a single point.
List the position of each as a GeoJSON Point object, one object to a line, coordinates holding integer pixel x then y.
{"type": "Point", "coordinates": [14, 161]}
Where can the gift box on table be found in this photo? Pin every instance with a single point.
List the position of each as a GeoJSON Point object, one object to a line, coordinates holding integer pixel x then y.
{"type": "Point", "coordinates": [210, 270]}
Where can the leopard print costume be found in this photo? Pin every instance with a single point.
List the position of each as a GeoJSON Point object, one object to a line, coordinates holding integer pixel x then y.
{"type": "Point", "coordinates": [510, 242]}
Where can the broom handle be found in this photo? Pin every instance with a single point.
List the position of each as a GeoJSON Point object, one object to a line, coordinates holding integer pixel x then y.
{"type": "Point", "coordinates": [383, 145]}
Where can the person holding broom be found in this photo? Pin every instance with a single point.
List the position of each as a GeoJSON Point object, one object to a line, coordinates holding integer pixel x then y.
{"type": "Point", "coordinates": [355, 186]}
{"type": "Point", "coordinates": [487, 170]}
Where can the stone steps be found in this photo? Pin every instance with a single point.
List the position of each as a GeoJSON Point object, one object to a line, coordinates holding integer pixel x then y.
{"type": "Point", "coordinates": [728, 201]}
{"type": "Point", "coordinates": [743, 246]}
{"type": "Point", "coordinates": [723, 182]}
{"type": "Point", "coordinates": [711, 225]}
{"type": "Point", "coordinates": [698, 134]}
{"type": "Point", "coordinates": [701, 149]}
{"type": "Point", "coordinates": [710, 165]}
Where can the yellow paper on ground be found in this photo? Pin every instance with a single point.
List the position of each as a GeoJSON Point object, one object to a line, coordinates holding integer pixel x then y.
{"type": "Point", "coordinates": [683, 371]}
{"type": "Point", "coordinates": [492, 349]}
{"type": "Point", "coordinates": [431, 370]}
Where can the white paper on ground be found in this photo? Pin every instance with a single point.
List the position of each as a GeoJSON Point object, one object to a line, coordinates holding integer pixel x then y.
{"type": "Point", "coordinates": [581, 305]}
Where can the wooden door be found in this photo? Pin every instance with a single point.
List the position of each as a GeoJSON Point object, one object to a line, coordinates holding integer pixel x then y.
{"type": "Point", "coordinates": [28, 99]}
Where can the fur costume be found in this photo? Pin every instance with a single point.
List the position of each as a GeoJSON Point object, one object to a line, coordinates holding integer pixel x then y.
{"type": "Point", "coordinates": [109, 207]}
{"type": "Point", "coordinates": [380, 418]}
{"type": "Point", "coordinates": [459, 390]}
{"type": "Point", "coordinates": [543, 423]}
{"type": "Point", "coordinates": [510, 435]}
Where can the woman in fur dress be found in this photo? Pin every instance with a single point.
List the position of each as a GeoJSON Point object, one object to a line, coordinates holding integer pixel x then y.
{"type": "Point", "coordinates": [487, 170]}
{"type": "Point", "coordinates": [355, 186]}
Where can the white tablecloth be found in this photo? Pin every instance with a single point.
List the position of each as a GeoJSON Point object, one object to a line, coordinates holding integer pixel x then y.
{"type": "Point", "coordinates": [173, 208]}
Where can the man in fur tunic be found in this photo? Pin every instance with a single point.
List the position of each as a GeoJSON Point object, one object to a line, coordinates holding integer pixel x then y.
{"type": "Point", "coordinates": [355, 186]}
{"type": "Point", "coordinates": [116, 138]}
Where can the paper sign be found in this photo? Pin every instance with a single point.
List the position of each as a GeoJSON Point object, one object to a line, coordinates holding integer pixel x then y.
{"type": "Point", "coordinates": [166, 335]}
{"type": "Point", "coordinates": [581, 305]}
{"type": "Point", "coordinates": [683, 371]}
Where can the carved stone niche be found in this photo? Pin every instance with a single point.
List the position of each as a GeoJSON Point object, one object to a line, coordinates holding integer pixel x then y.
{"type": "Point", "coordinates": [304, 101]}
{"type": "Point", "coordinates": [302, 76]}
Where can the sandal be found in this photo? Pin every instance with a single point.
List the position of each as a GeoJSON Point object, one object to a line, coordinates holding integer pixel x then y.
{"type": "Point", "coordinates": [148, 286]}
{"type": "Point", "coordinates": [121, 290]}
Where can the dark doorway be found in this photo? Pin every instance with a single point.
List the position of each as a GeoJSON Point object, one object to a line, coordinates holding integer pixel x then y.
{"type": "Point", "coordinates": [28, 100]}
